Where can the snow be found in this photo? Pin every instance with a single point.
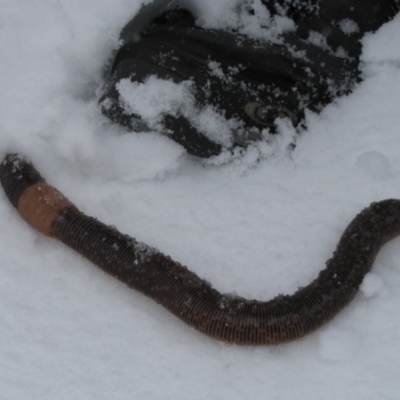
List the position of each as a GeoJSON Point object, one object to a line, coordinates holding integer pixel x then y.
{"type": "Point", "coordinates": [155, 98]}
{"type": "Point", "coordinates": [348, 26]}
{"type": "Point", "coordinates": [371, 285]}
{"type": "Point", "coordinates": [375, 165]}
{"type": "Point", "coordinates": [257, 225]}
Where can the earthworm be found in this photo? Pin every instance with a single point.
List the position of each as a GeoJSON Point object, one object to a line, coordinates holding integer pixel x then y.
{"type": "Point", "coordinates": [221, 316]}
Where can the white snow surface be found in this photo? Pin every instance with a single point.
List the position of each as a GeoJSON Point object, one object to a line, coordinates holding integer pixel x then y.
{"type": "Point", "coordinates": [257, 225]}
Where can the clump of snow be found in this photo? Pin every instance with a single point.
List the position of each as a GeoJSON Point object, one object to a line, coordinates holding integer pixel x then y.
{"type": "Point", "coordinates": [318, 39]}
{"type": "Point", "coordinates": [250, 18]}
{"type": "Point", "coordinates": [349, 26]}
{"type": "Point", "coordinates": [371, 285]}
{"type": "Point", "coordinates": [155, 98]}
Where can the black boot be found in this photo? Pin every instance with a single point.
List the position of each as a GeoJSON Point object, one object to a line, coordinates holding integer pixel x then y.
{"type": "Point", "coordinates": [249, 82]}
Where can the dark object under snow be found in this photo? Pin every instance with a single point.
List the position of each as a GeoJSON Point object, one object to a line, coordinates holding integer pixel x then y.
{"type": "Point", "coordinates": [261, 81]}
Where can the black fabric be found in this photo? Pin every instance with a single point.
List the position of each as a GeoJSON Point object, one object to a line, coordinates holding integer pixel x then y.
{"type": "Point", "coordinates": [266, 80]}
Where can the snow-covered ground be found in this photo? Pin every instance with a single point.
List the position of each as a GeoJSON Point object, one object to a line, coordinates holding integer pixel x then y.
{"type": "Point", "coordinates": [68, 331]}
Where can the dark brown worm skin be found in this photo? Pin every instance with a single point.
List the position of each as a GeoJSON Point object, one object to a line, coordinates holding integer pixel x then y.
{"type": "Point", "coordinates": [224, 317]}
